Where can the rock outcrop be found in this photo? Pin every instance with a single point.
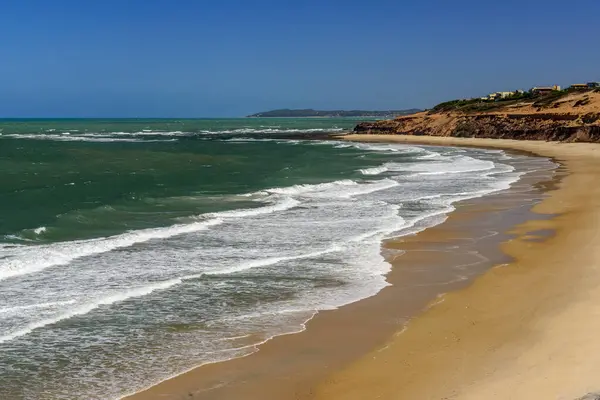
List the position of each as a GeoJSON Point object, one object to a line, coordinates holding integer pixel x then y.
{"type": "Point", "coordinates": [575, 118]}
{"type": "Point", "coordinates": [590, 396]}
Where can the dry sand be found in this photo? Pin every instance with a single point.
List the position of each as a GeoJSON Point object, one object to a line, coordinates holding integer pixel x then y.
{"type": "Point", "coordinates": [454, 344]}
{"type": "Point", "coordinates": [435, 261]}
{"type": "Point", "coordinates": [526, 330]}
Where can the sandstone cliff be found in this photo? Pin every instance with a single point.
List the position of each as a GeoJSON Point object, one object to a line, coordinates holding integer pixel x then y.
{"type": "Point", "coordinates": [573, 117]}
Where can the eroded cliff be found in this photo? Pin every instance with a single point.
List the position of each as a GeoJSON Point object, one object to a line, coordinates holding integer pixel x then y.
{"type": "Point", "coordinates": [572, 118]}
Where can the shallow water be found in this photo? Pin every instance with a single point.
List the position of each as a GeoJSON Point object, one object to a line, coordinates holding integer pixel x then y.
{"type": "Point", "coordinates": [131, 251]}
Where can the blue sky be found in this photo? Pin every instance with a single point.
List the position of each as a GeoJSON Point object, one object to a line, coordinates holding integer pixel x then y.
{"type": "Point", "coordinates": [154, 58]}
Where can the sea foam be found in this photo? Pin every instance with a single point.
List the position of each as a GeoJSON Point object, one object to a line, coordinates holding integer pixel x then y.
{"type": "Point", "coordinates": [84, 309]}
{"type": "Point", "coordinates": [245, 273]}
{"type": "Point", "coordinates": [24, 260]}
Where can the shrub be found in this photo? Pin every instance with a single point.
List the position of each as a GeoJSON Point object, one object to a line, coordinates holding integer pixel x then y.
{"type": "Point", "coordinates": [550, 98]}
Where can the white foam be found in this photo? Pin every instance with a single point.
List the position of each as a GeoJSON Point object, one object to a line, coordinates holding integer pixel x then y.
{"type": "Point", "coordinates": [345, 188]}
{"type": "Point", "coordinates": [269, 131]}
{"type": "Point", "coordinates": [447, 202]}
{"type": "Point", "coordinates": [332, 221]}
{"type": "Point", "coordinates": [374, 170]}
{"type": "Point", "coordinates": [6, 310]}
{"type": "Point", "coordinates": [73, 138]}
{"type": "Point", "coordinates": [29, 259]}
{"type": "Point", "coordinates": [385, 147]}
{"type": "Point", "coordinates": [366, 188]}
{"type": "Point", "coordinates": [462, 171]}
{"type": "Point", "coordinates": [39, 230]}
{"type": "Point", "coordinates": [139, 136]}
{"type": "Point", "coordinates": [108, 300]}
{"type": "Point", "coordinates": [272, 261]}
{"type": "Point", "coordinates": [145, 132]}
{"type": "Point", "coordinates": [430, 155]}
{"type": "Point", "coordinates": [285, 204]}
{"type": "Point", "coordinates": [397, 223]}
{"type": "Point", "coordinates": [307, 188]}
{"type": "Point", "coordinates": [450, 165]}
{"type": "Point", "coordinates": [252, 347]}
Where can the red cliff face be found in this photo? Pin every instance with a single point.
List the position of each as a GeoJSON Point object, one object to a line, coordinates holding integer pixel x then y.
{"type": "Point", "coordinates": [562, 120]}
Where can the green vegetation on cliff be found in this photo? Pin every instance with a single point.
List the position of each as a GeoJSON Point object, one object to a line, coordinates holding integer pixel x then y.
{"type": "Point", "coordinates": [483, 105]}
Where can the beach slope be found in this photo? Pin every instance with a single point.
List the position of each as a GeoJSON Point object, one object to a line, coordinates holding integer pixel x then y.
{"type": "Point", "coordinates": [526, 330]}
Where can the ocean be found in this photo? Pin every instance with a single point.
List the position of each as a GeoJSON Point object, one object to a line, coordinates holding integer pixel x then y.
{"type": "Point", "coordinates": [134, 250]}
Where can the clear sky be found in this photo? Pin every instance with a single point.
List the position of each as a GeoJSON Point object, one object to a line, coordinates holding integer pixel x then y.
{"type": "Point", "coordinates": [178, 58]}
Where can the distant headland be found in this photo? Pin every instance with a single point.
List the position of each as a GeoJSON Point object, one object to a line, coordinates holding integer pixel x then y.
{"type": "Point", "coordinates": [288, 113]}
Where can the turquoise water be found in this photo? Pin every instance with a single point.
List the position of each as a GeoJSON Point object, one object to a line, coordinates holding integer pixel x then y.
{"type": "Point", "coordinates": [133, 250]}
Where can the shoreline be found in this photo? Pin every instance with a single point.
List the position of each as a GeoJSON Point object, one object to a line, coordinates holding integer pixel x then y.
{"type": "Point", "coordinates": [207, 381]}
{"type": "Point", "coordinates": [522, 331]}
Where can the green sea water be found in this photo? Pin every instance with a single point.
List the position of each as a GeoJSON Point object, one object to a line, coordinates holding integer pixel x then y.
{"type": "Point", "coordinates": [133, 250]}
{"type": "Point", "coordinates": [97, 177]}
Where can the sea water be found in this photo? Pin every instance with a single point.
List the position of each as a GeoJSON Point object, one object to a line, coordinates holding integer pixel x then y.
{"type": "Point", "coordinates": [134, 250]}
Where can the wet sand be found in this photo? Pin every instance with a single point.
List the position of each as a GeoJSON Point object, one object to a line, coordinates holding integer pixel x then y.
{"type": "Point", "coordinates": [526, 330]}
{"type": "Point", "coordinates": [322, 361]}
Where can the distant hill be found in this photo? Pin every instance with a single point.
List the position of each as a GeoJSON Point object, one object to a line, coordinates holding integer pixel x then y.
{"type": "Point", "coordinates": [336, 113]}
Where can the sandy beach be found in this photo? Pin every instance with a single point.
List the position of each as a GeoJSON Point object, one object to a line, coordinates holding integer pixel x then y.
{"type": "Point", "coordinates": [522, 330]}
{"type": "Point", "coordinates": [526, 330]}
{"type": "Point", "coordinates": [265, 201]}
